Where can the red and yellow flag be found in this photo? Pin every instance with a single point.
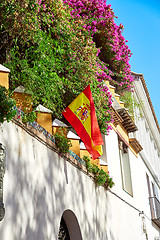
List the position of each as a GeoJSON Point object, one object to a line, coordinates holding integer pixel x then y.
{"type": "Point", "coordinates": [82, 117]}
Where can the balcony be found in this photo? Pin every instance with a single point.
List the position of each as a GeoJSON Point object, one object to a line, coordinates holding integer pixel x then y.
{"type": "Point", "coordinates": [155, 210]}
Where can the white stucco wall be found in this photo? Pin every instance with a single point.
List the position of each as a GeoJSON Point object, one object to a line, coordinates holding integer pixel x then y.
{"type": "Point", "coordinates": [39, 186]}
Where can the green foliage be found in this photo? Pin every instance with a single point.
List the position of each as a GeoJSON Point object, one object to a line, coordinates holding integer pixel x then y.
{"type": "Point", "coordinates": [62, 142]}
{"type": "Point", "coordinates": [109, 183]}
{"type": "Point", "coordinates": [101, 177]}
{"type": "Point", "coordinates": [134, 107]}
{"type": "Point", "coordinates": [54, 56]}
{"type": "Point", "coordinates": [7, 111]}
{"type": "Point", "coordinates": [88, 164]}
{"type": "Point", "coordinates": [28, 117]}
{"type": "Point", "coordinates": [51, 54]}
{"type": "Point", "coordinates": [95, 169]}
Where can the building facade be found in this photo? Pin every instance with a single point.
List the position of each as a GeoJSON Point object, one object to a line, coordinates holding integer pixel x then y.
{"type": "Point", "coordinates": [45, 195]}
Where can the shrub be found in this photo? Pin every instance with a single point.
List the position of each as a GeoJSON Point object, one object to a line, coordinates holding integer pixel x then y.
{"type": "Point", "coordinates": [7, 111]}
{"type": "Point", "coordinates": [62, 142]}
{"type": "Point", "coordinates": [100, 176]}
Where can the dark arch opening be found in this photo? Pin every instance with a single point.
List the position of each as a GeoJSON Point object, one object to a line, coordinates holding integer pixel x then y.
{"type": "Point", "coordinates": [69, 227]}
{"type": "Point", "coordinates": [63, 231]}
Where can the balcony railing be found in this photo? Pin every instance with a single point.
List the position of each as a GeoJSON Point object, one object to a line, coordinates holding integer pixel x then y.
{"type": "Point", "coordinates": [155, 210]}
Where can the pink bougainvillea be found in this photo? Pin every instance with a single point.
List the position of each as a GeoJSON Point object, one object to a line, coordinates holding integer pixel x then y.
{"type": "Point", "coordinates": [98, 20]}
{"type": "Point", "coordinates": [77, 43]}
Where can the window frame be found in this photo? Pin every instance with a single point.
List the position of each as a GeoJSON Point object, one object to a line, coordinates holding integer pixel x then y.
{"type": "Point", "coordinates": [125, 168]}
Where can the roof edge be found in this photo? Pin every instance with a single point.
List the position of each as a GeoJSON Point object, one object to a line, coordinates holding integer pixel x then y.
{"type": "Point", "coordinates": [148, 97]}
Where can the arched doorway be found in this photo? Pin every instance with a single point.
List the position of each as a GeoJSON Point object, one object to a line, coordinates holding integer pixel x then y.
{"type": "Point", "coordinates": [63, 231]}
{"type": "Point", "coordinates": [69, 227]}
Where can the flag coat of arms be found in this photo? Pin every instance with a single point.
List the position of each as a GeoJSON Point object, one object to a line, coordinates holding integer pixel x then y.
{"type": "Point", "coordinates": [82, 117]}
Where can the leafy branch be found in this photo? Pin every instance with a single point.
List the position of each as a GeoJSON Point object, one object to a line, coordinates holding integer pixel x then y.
{"type": "Point", "coordinates": [100, 176]}
{"type": "Point", "coordinates": [7, 111]}
{"type": "Point", "coordinates": [62, 142]}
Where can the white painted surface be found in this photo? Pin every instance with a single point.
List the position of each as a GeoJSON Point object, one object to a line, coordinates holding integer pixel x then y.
{"type": "Point", "coordinates": [43, 109]}
{"type": "Point", "coordinates": [4, 69]}
{"type": "Point", "coordinates": [19, 89]}
{"type": "Point", "coordinates": [58, 123]}
{"type": "Point", "coordinates": [39, 186]}
{"type": "Point", "coordinates": [72, 135]}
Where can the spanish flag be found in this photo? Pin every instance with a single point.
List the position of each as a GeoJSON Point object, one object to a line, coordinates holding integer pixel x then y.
{"type": "Point", "coordinates": [82, 117]}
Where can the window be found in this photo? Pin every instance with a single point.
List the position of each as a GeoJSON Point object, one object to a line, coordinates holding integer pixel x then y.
{"type": "Point", "coordinates": [155, 190]}
{"type": "Point", "coordinates": [103, 157]}
{"type": "Point", "coordinates": [154, 202]}
{"type": "Point", "coordinates": [125, 168]}
{"type": "Point", "coordinates": [2, 170]}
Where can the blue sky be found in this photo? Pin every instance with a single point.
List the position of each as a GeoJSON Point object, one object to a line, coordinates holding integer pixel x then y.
{"type": "Point", "coordinates": [141, 20]}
